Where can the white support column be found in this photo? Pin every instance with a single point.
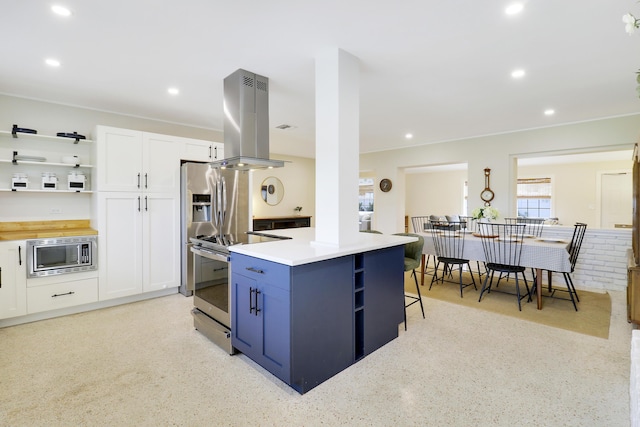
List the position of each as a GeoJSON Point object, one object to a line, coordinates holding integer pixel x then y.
{"type": "Point", "coordinates": [337, 148]}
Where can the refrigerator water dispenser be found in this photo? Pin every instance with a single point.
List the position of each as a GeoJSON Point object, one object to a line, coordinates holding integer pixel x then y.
{"type": "Point", "coordinates": [201, 208]}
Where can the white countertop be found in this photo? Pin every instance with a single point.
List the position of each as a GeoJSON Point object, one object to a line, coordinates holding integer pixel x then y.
{"type": "Point", "coordinates": [302, 248]}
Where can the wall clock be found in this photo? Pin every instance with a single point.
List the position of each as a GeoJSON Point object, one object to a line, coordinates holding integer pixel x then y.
{"type": "Point", "coordinates": [385, 184]}
{"type": "Point", "coordinates": [487, 194]}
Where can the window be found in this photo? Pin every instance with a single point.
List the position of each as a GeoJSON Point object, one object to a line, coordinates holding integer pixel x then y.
{"type": "Point", "coordinates": [534, 197]}
{"type": "Point", "coordinates": [365, 199]}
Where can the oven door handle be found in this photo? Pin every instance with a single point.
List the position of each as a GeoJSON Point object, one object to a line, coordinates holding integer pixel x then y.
{"type": "Point", "coordinates": [210, 255]}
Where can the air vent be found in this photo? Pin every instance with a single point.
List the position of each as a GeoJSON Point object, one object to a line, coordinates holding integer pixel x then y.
{"type": "Point", "coordinates": [261, 85]}
{"type": "Point", "coordinates": [247, 81]}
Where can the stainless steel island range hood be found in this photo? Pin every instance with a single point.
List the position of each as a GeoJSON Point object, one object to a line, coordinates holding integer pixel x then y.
{"type": "Point", "coordinates": [246, 123]}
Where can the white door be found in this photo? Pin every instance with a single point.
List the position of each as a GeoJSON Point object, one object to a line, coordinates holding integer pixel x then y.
{"type": "Point", "coordinates": [119, 159]}
{"type": "Point", "coordinates": [616, 199]}
{"type": "Point", "coordinates": [13, 279]}
{"type": "Point", "coordinates": [161, 259]}
{"type": "Point", "coordinates": [120, 244]}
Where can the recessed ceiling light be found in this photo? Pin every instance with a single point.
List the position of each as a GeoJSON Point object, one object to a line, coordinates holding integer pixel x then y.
{"type": "Point", "coordinates": [173, 91]}
{"type": "Point", "coordinates": [408, 136]}
{"type": "Point", "coordinates": [514, 8]}
{"type": "Point", "coordinates": [52, 62]}
{"type": "Point", "coordinates": [549, 112]}
{"type": "Point", "coordinates": [517, 74]}
{"type": "Point", "coordinates": [60, 10]}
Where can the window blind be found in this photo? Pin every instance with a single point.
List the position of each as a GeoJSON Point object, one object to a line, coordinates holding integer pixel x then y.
{"type": "Point", "coordinates": [534, 188]}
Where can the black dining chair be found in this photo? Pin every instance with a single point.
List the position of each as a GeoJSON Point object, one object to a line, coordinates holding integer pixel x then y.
{"type": "Point", "coordinates": [502, 245]}
{"type": "Point", "coordinates": [469, 225]}
{"type": "Point", "coordinates": [533, 226]}
{"type": "Point", "coordinates": [449, 246]}
{"type": "Point", "coordinates": [420, 225]}
{"type": "Point", "coordinates": [579, 231]}
{"type": "Point", "coordinates": [412, 258]}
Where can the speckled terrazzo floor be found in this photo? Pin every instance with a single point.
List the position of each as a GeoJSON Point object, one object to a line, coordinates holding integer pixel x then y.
{"type": "Point", "coordinates": [143, 364]}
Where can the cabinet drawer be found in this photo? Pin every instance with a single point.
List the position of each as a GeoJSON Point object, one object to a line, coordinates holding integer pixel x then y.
{"type": "Point", "coordinates": [62, 295]}
{"type": "Point", "coordinates": [260, 270]}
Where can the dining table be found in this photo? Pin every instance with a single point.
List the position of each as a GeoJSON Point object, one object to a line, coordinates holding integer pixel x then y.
{"type": "Point", "coordinates": [538, 253]}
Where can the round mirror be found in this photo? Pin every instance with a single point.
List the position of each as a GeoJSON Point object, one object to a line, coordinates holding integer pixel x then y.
{"type": "Point", "coordinates": [272, 190]}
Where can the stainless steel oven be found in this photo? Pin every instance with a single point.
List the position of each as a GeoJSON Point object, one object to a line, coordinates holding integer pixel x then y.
{"type": "Point", "coordinates": [212, 283]}
{"type": "Point", "coordinates": [211, 295]}
{"type": "Point", "coordinates": [46, 257]}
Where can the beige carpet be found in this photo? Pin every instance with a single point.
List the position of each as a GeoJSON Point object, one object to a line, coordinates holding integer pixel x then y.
{"type": "Point", "coordinates": [592, 318]}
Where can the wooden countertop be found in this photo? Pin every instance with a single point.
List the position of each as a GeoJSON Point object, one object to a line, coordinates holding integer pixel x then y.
{"type": "Point", "coordinates": [23, 230]}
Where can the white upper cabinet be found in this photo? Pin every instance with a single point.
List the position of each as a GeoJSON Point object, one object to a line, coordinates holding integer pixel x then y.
{"type": "Point", "coordinates": [129, 160]}
{"type": "Point", "coordinates": [160, 163]}
{"type": "Point", "coordinates": [118, 159]}
{"type": "Point", "coordinates": [201, 151]}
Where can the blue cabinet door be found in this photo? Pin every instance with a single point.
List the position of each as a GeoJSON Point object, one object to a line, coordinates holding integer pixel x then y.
{"type": "Point", "coordinates": [383, 296]}
{"type": "Point", "coordinates": [261, 313]}
{"type": "Point", "coordinates": [275, 308]}
{"type": "Point", "coordinates": [246, 326]}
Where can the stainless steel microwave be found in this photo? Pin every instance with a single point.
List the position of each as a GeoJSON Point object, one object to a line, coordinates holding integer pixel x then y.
{"type": "Point", "coordinates": [46, 257]}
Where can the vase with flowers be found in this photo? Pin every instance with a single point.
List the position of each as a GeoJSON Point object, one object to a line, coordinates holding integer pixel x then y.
{"type": "Point", "coordinates": [485, 214]}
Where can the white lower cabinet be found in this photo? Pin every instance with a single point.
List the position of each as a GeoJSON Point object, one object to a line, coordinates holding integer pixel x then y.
{"type": "Point", "coordinates": [66, 293]}
{"type": "Point", "coordinates": [13, 279]}
{"type": "Point", "coordinates": [138, 249]}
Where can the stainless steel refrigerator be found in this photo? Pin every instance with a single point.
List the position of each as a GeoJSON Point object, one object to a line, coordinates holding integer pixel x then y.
{"type": "Point", "coordinates": [214, 202]}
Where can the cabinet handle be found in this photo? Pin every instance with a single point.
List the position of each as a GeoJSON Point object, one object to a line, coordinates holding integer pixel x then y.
{"type": "Point", "coordinates": [19, 255]}
{"type": "Point", "coordinates": [253, 303]}
{"type": "Point", "coordinates": [210, 151]}
{"type": "Point", "coordinates": [146, 181]}
{"type": "Point", "coordinates": [256, 306]}
{"type": "Point", "coordinates": [138, 179]}
{"type": "Point", "coordinates": [146, 204]}
{"type": "Point", "coordinates": [61, 295]}
{"type": "Point", "coordinates": [138, 203]}
{"type": "Point", "coordinates": [0, 277]}
{"type": "Point", "coordinates": [255, 270]}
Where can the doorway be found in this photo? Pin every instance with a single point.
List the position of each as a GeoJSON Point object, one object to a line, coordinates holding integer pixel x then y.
{"type": "Point", "coordinates": [616, 201]}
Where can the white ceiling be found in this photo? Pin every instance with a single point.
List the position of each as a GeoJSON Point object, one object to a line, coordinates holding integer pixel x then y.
{"type": "Point", "coordinates": [438, 69]}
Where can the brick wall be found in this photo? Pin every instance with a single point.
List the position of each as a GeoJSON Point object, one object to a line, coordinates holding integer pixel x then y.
{"type": "Point", "coordinates": [602, 264]}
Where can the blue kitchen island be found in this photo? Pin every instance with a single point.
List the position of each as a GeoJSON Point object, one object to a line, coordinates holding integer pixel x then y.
{"type": "Point", "coordinates": [306, 312]}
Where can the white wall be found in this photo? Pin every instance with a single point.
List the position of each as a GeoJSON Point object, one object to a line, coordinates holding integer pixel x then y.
{"type": "Point", "coordinates": [298, 177]}
{"type": "Point", "coordinates": [435, 193]}
{"type": "Point", "coordinates": [575, 188]}
{"type": "Point", "coordinates": [47, 118]}
{"type": "Point", "coordinates": [498, 152]}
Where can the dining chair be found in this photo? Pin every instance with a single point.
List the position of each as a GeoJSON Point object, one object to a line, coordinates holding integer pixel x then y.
{"type": "Point", "coordinates": [502, 246]}
{"type": "Point", "coordinates": [412, 257]}
{"type": "Point", "coordinates": [468, 223]}
{"type": "Point", "coordinates": [449, 246]}
{"type": "Point", "coordinates": [579, 230]}
{"type": "Point", "coordinates": [533, 226]}
{"type": "Point", "coordinates": [420, 225]}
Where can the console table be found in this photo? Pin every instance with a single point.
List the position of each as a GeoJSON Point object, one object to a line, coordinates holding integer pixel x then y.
{"type": "Point", "coordinates": [278, 222]}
